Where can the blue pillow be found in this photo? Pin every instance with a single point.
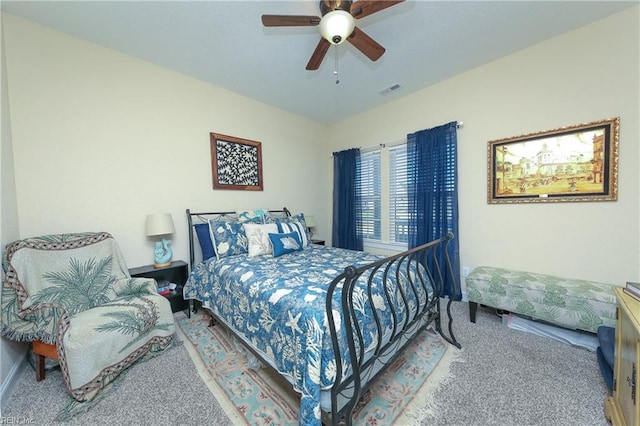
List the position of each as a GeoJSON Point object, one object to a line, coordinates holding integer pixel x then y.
{"type": "Point", "coordinates": [285, 243]}
{"type": "Point", "coordinates": [204, 238]}
{"type": "Point", "coordinates": [229, 238]}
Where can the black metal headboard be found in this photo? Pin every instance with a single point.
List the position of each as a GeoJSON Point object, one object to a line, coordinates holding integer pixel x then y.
{"type": "Point", "coordinates": [194, 218]}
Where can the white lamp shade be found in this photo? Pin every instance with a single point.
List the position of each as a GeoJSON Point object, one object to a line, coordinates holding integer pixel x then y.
{"type": "Point", "coordinates": [336, 26]}
{"type": "Point", "coordinates": [159, 224]}
{"type": "Point", "coordinates": [310, 221]}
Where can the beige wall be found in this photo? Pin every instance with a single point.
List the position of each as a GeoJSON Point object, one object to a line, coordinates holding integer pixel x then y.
{"type": "Point", "coordinates": [11, 353]}
{"type": "Point", "coordinates": [102, 139]}
{"type": "Point", "coordinates": [588, 74]}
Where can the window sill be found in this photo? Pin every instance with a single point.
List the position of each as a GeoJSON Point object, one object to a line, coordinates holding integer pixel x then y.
{"type": "Point", "coordinates": [388, 246]}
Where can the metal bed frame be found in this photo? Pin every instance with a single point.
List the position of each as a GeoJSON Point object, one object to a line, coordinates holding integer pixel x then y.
{"type": "Point", "coordinates": [429, 260]}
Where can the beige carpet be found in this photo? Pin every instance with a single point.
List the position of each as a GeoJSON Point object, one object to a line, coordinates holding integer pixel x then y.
{"type": "Point", "coordinates": [508, 377]}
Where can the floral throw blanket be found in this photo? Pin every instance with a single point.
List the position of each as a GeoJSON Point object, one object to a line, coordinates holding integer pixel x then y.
{"type": "Point", "coordinates": [75, 291]}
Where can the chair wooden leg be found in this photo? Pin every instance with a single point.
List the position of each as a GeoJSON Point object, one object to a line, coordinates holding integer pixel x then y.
{"type": "Point", "coordinates": [41, 351]}
{"type": "Point", "coordinates": [39, 367]}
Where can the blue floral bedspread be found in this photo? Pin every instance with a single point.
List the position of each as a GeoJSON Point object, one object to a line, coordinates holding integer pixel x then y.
{"type": "Point", "coordinates": [278, 305]}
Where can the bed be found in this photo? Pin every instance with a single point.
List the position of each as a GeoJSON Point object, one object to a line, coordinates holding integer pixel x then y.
{"type": "Point", "coordinates": [326, 319]}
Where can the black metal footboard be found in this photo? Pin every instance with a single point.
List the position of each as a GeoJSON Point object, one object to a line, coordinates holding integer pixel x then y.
{"type": "Point", "coordinates": [406, 288]}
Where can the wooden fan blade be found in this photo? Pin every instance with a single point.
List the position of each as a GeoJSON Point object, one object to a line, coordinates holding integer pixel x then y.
{"type": "Point", "coordinates": [362, 8]}
{"type": "Point", "coordinates": [290, 20]}
{"type": "Point", "coordinates": [318, 55]}
{"type": "Point", "coordinates": [366, 44]}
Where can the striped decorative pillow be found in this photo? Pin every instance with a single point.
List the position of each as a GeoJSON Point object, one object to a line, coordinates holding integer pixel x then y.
{"type": "Point", "coordinates": [294, 226]}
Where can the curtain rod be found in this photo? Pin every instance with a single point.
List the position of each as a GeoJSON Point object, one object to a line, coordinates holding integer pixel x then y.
{"type": "Point", "coordinates": [459, 125]}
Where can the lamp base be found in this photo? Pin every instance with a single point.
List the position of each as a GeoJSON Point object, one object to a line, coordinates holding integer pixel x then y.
{"type": "Point", "coordinates": [162, 265]}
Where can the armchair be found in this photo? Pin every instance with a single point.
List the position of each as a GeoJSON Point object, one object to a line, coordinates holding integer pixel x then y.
{"type": "Point", "coordinates": [74, 291]}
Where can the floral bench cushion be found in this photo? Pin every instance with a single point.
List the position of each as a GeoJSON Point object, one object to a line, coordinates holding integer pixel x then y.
{"type": "Point", "coordinates": [570, 303]}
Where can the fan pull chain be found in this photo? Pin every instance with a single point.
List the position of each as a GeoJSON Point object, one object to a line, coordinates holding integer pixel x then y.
{"type": "Point", "coordinates": [335, 71]}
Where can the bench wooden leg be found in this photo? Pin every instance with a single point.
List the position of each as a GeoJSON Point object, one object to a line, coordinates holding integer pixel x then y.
{"type": "Point", "coordinates": [473, 308]}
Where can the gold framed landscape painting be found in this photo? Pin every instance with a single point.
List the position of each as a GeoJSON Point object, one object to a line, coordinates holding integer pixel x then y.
{"type": "Point", "coordinates": [575, 163]}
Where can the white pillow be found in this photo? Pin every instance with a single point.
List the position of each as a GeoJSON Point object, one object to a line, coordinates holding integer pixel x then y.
{"type": "Point", "coordinates": [258, 237]}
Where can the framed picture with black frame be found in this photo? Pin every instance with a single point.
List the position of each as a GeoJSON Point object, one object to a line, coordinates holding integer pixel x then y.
{"type": "Point", "coordinates": [236, 163]}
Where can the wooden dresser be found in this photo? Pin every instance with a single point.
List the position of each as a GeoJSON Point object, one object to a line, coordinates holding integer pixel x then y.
{"type": "Point", "coordinates": [623, 408]}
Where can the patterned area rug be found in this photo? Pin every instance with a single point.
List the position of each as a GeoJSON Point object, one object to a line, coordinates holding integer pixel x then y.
{"type": "Point", "coordinates": [251, 396]}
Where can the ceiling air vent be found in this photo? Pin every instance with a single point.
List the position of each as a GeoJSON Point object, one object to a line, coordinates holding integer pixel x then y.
{"type": "Point", "coordinates": [390, 89]}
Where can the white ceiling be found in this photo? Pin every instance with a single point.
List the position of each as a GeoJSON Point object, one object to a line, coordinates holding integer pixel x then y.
{"type": "Point", "coordinates": [225, 44]}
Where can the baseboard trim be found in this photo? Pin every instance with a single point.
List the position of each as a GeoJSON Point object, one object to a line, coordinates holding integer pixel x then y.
{"type": "Point", "coordinates": [6, 390]}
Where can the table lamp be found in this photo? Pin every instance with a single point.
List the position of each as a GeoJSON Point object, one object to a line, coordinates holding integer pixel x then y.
{"type": "Point", "coordinates": [160, 224]}
{"type": "Point", "coordinates": [311, 223]}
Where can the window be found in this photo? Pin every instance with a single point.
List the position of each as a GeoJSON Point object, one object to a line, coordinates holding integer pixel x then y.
{"type": "Point", "coordinates": [382, 190]}
{"type": "Point", "coordinates": [368, 190]}
{"type": "Point", "coordinates": [398, 197]}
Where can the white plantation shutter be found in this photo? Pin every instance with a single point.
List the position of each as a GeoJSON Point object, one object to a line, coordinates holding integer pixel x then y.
{"type": "Point", "coordinates": [368, 189]}
{"type": "Point", "coordinates": [398, 200]}
{"type": "Point", "coordinates": [450, 187]}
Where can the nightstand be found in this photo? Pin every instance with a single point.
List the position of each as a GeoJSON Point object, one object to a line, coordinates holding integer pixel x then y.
{"type": "Point", "coordinates": [318, 242]}
{"type": "Point", "coordinates": [177, 273]}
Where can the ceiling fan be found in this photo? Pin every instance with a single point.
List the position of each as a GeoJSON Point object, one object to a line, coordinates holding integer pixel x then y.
{"type": "Point", "coordinates": [336, 25]}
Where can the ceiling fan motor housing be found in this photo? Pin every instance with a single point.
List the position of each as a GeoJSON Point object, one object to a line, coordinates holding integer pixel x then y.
{"type": "Point", "coordinates": [337, 23]}
{"type": "Point", "coordinates": [327, 6]}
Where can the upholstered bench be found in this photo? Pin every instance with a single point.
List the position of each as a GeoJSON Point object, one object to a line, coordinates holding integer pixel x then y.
{"type": "Point", "coordinates": [570, 303]}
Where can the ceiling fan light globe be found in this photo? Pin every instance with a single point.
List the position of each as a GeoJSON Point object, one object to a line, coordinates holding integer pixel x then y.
{"type": "Point", "coordinates": [336, 26]}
